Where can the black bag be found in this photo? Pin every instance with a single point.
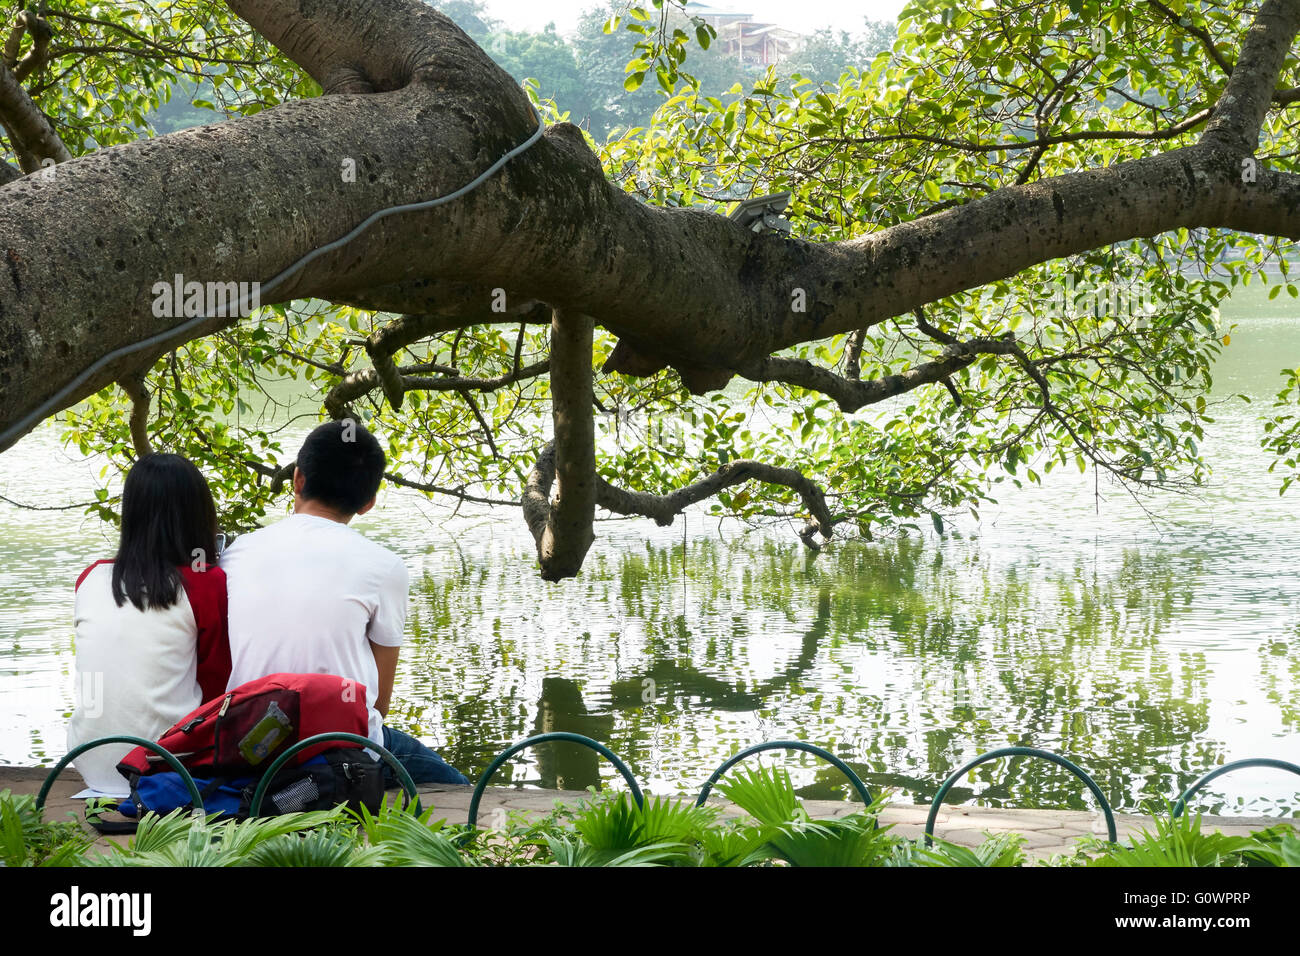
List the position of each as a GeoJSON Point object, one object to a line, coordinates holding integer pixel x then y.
{"type": "Point", "coordinates": [349, 776]}
{"type": "Point", "coordinates": [343, 775]}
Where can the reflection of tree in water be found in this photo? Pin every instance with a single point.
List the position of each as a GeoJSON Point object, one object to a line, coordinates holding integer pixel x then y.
{"type": "Point", "coordinates": [677, 681]}
{"type": "Point", "coordinates": [958, 657]}
{"type": "Point", "coordinates": [1280, 665]}
{"type": "Point", "coordinates": [1074, 666]}
{"type": "Point", "coordinates": [567, 766]}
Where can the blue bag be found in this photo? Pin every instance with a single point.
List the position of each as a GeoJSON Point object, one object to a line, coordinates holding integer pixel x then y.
{"type": "Point", "coordinates": [340, 776]}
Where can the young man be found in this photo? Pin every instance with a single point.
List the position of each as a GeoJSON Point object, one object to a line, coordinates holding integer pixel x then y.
{"type": "Point", "coordinates": [308, 594]}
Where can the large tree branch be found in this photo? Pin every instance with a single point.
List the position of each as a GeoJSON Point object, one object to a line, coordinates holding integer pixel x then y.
{"type": "Point", "coordinates": [358, 383]}
{"type": "Point", "coordinates": [134, 387]}
{"type": "Point", "coordinates": [28, 127]}
{"type": "Point", "coordinates": [39, 52]}
{"type": "Point", "coordinates": [680, 287]}
{"type": "Point", "coordinates": [562, 528]}
{"type": "Point", "coordinates": [664, 508]}
{"type": "Point", "coordinates": [29, 130]}
{"type": "Point", "coordinates": [851, 394]}
{"type": "Point", "coordinates": [1241, 109]}
{"type": "Point", "coordinates": [374, 47]}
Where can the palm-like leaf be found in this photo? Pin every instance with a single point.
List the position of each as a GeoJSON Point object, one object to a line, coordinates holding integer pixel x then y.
{"type": "Point", "coordinates": [156, 832]}
{"type": "Point", "coordinates": [674, 821]}
{"type": "Point", "coordinates": [409, 840]}
{"type": "Point", "coordinates": [181, 839]}
{"type": "Point", "coordinates": [565, 852]}
{"type": "Point", "coordinates": [1002, 849]}
{"type": "Point", "coordinates": [766, 794]}
{"type": "Point", "coordinates": [610, 824]}
{"type": "Point", "coordinates": [1178, 841]}
{"type": "Point", "coordinates": [737, 844]}
{"type": "Point", "coordinates": [315, 849]}
{"type": "Point", "coordinates": [832, 843]}
{"type": "Point", "coordinates": [392, 821]}
{"type": "Point", "coordinates": [240, 837]}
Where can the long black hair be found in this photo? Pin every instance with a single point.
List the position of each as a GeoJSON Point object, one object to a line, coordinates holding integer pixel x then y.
{"type": "Point", "coordinates": [168, 519]}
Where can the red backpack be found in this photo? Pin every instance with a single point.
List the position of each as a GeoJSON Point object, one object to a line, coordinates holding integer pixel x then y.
{"type": "Point", "coordinates": [243, 731]}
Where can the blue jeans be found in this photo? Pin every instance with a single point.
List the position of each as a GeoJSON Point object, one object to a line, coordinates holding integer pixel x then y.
{"type": "Point", "coordinates": [420, 762]}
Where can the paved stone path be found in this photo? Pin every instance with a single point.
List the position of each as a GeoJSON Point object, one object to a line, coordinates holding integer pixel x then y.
{"type": "Point", "coordinates": [1046, 832]}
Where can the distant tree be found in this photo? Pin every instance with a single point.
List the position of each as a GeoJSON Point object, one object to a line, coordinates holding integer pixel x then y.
{"type": "Point", "coordinates": [602, 58]}
{"type": "Point", "coordinates": [472, 17]}
{"type": "Point", "coordinates": [828, 55]}
{"type": "Point", "coordinates": [547, 58]}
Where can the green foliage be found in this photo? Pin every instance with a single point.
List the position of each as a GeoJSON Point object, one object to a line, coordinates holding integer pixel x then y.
{"type": "Point", "coordinates": [566, 852]}
{"type": "Point", "coordinates": [611, 829]}
{"type": "Point", "coordinates": [1002, 849]}
{"type": "Point", "coordinates": [606, 831]}
{"type": "Point", "coordinates": [113, 65]}
{"type": "Point", "coordinates": [1275, 846]}
{"type": "Point", "coordinates": [183, 839]}
{"type": "Point", "coordinates": [406, 839]}
{"type": "Point", "coordinates": [316, 848]}
{"type": "Point", "coordinates": [27, 840]}
{"type": "Point", "coordinates": [1179, 841]}
{"type": "Point", "coordinates": [765, 793]}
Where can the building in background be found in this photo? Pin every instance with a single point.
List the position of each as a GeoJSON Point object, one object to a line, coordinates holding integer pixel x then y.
{"type": "Point", "coordinates": [745, 39]}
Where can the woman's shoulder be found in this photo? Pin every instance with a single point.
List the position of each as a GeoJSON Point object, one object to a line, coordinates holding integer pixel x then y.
{"type": "Point", "coordinates": [210, 577]}
{"type": "Point", "coordinates": [86, 573]}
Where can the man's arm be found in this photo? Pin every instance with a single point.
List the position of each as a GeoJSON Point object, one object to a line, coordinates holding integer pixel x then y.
{"type": "Point", "coordinates": [386, 661]}
{"type": "Point", "coordinates": [386, 630]}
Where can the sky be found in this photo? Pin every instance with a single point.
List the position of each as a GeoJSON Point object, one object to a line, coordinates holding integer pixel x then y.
{"type": "Point", "coordinates": [805, 16]}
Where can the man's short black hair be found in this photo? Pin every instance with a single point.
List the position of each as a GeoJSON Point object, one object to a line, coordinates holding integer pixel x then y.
{"type": "Point", "coordinates": [342, 465]}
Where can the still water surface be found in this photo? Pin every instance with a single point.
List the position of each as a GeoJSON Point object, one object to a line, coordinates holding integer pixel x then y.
{"type": "Point", "coordinates": [1148, 652]}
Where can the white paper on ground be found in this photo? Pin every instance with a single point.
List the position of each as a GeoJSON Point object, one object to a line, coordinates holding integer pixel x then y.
{"type": "Point", "coordinates": [90, 792]}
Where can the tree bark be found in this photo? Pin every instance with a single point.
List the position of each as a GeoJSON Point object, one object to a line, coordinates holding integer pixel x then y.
{"type": "Point", "coordinates": [562, 528]}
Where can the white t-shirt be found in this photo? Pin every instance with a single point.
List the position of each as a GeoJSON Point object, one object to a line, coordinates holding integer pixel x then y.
{"type": "Point", "coordinates": [139, 672]}
{"type": "Point", "coordinates": [307, 595]}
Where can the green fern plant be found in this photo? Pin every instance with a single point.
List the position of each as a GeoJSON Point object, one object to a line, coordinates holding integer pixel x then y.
{"type": "Point", "coordinates": [182, 839]}
{"type": "Point", "coordinates": [782, 831]}
{"type": "Point", "coordinates": [845, 842]}
{"type": "Point", "coordinates": [1177, 841]}
{"type": "Point", "coordinates": [567, 852]}
{"type": "Point", "coordinates": [408, 839]}
{"type": "Point", "coordinates": [614, 827]}
{"type": "Point", "coordinates": [316, 848]}
{"type": "Point", "coordinates": [766, 794]}
{"type": "Point", "coordinates": [736, 843]}
{"type": "Point", "coordinates": [1002, 849]}
{"type": "Point", "coordinates": [28, 840]}
{"type": "Point", "coordinates": [1275, 846]}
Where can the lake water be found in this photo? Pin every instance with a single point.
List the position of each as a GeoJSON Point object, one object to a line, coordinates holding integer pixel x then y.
{"type": "Point", "coordinates": [1148, 653]}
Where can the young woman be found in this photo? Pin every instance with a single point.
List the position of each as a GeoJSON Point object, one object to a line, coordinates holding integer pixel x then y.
{"type": "Point", "coordinates": [151, 623]}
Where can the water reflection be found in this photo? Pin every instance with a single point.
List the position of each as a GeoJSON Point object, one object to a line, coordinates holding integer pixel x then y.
{"type": "Point", "coordinates": [902, 658]}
